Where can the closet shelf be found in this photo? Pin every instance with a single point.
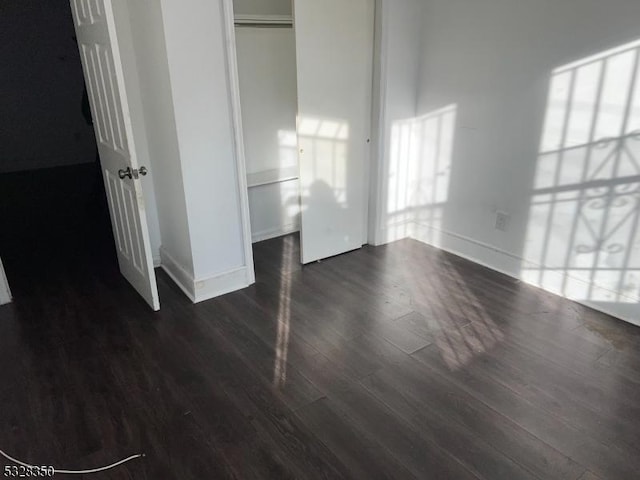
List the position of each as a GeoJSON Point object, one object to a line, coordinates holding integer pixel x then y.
{"type": "Point", "coordinates": [258, 20]}
{"type": "Point", "coordinates": [268, 177]}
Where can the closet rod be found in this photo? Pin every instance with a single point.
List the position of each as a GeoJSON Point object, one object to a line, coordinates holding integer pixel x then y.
{"type": "Point", "coordinates": [283, 21]}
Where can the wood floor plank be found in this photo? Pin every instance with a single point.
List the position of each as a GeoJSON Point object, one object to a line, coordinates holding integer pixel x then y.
{"type": "Point", "coordinates": [417, 390]}
{"type": "Point", "coordinates": [578, 399]}
{"type": "Point", "coordinates": [399, 361]}
{"type": "Point", "coordinates": [468, 448]}
{"type": "Point", "coordinates": [363, 456]}
{"type": "Point", "coordinates": [588, 451]}
{"type": "Point", "coordinates": [425, 458]}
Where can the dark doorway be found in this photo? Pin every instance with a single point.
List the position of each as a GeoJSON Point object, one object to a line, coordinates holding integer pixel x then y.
{"type": "Point", "coordinates": [53, 212]}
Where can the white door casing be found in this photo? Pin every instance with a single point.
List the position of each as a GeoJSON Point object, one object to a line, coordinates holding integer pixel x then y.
{"type": "Point", "coordinates": [104, 77]}
{"type": "Point", "coordinates": [334, 51]}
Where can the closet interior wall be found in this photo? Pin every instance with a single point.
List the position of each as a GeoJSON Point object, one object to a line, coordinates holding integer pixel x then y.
{"type": "Point", "coordinates": [266, 54]}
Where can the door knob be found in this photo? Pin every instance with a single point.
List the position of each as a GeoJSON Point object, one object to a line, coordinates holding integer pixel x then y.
{"type": "Point", "coordinates": [125, 173]}
{"type": "Point", "coordinates": [135, 173]}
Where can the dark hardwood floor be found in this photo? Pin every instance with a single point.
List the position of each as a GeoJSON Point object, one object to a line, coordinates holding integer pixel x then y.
{"type": "Point", "coordinates": [393, 362]}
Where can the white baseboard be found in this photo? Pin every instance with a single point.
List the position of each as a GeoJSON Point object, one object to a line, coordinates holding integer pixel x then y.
{"type": "Point", "coordinates": [393, 233]}
{"type": "Point", "coordinates": [274, 233]}
{"type": "Point", "coordinates": [205, 288]}
{"type": "Point", "coordinates": [509, 264]}
{"type": "Point", "coordinates": [178, 274]}
{"type": "Point", "coordinates": [468, 248]}
{"type": "Point", "coordinates": [221, 284]}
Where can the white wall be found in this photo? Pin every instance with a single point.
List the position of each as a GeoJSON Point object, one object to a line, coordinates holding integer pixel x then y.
{"type": "Point", "coordinates": [267, 74]}
{"type": "Point", "coordinates": [396, 78]}
{"type": "Point", "coordinates": [200, 92]}
{"type": "Point", "coordinates": [262, 7]}
{"type": "Point", "coordinates": [5, 293]}
{"type": "Point", "coordinates": [185, 101]}
{"type": "Point", "coordinates": [275, 210]}
{"type": "Point", "coordinates": [488, 80]}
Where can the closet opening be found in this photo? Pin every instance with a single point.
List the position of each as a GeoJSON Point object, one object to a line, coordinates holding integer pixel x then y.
{"type": "Point", "coordinates": [305, 85]}
{"type": "Point", "coordinates": [266, 55]}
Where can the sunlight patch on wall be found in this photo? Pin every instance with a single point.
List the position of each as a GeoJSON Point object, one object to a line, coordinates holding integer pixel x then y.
{"type": "Point", "coordinates": [288, 143]}
{"type": "Point", "coordinates": [582, 240]}
{"type": "Point", "coordinates": [323, 146]}
{"type": "Point", "coordinates": [289, 189]}
{"type": "Point", "coordinates": [419, 173]}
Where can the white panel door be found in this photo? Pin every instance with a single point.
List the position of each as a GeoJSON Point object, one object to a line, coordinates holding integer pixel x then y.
{"type": "Point", "coordinates": [104, 77]}
{"type": "Point", "coordinates": [5, 293]}
{"type": "Point", "coordinates": [334, 51]}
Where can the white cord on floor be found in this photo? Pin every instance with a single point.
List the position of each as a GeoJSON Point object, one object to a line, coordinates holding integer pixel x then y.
{"type": "Point", "coordinates": [75, 472]}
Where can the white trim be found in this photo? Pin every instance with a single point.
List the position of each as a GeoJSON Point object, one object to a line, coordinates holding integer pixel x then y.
{"type": "Point", "coordinates": [370, 160]}
{"type": "Point", "coordinates": [395, 232]}
{"type": "Point", "coordinates": [513, 263]}
{"type": "Point", "coordinates": [236, 111]}
{"type": "Point", "coordinates": [275, 232]}
{"type": "Point", "coordinates": [275, 20]}
{"type": "Point", "coordinates": [460, 241]}
{"type": "Point", "coordinates": [510, 264]}
{"type": "Point", "coordinates": [204, 288]}
{"type": "Point", "coordinates": [269, 177]}
{"type": "Point", "coordinates": [178, 274]}
{"type": "Point", "coordinates": [216, 285]}
{"type": "Point", "coordinates": [5, 292]}
{"type": "Point", "coordinates": [379, 127]}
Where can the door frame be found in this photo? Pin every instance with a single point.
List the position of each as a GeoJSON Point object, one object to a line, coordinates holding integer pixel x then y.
{"type": "Point", "coordinates": [5, 292]}
{"type": "Point", "coordinates": [371, 162]}
{"type": "Point", "coordinates": [233, 81]}
{"type": "Point", "coordinates": [378, 122]}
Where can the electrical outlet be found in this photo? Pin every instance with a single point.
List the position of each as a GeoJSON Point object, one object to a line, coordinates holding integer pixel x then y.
{"type": "Point", "coordinates": [502, 221]}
